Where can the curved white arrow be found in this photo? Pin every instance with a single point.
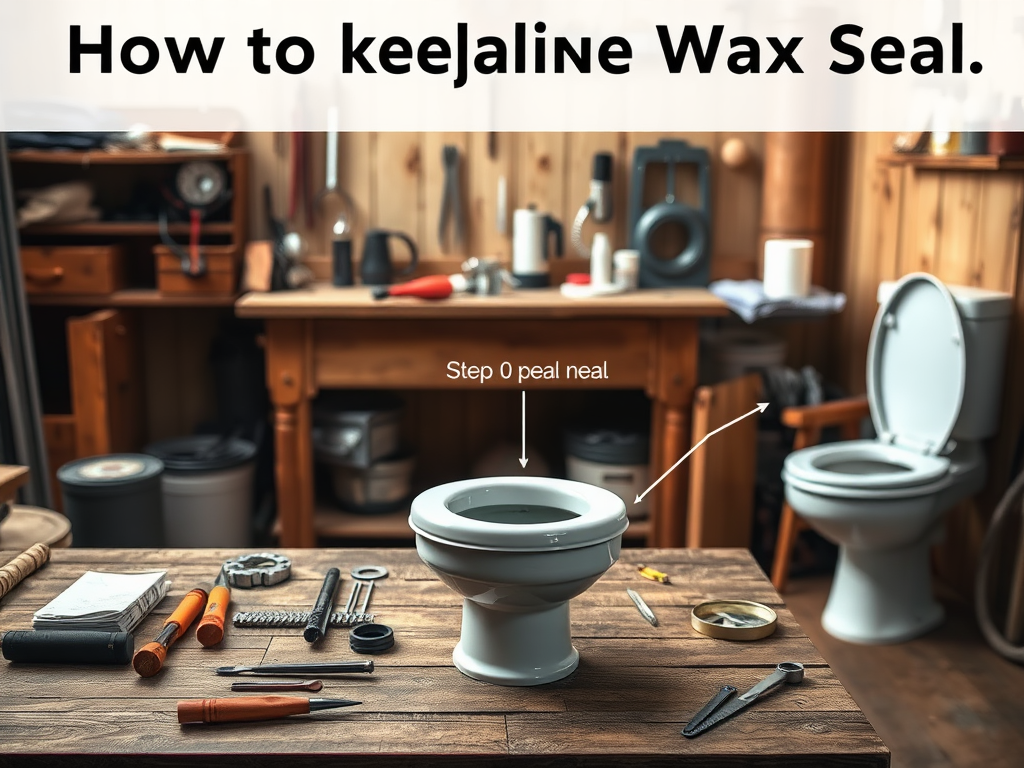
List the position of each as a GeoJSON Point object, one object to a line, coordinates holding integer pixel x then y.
{"type": "Point", "coordinates": [760, 409]}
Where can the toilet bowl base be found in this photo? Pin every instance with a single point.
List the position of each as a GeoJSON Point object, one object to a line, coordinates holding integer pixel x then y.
{"type": "Point", "coordinates": [884, 596]}
{"type": "Point", "coordinates": [515, 648]}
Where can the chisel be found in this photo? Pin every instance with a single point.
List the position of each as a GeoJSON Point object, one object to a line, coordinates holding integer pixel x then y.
{"type": "Point", "coordinates": [211, 627]}
{"type": "Point", "coordinates": [149, 659]}
{"type": "Point", "coordinates": [248, 708]}
{"type": "Point", "coordinates": [315, 668]}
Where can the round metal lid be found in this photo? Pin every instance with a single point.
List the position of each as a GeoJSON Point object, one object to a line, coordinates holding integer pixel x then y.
{"type": "Point", "coordinates": [522, 514]}
{"type": "Point", "coordinates": [917, 365]}
{"type": "Point", "coordinates": [117, 470]}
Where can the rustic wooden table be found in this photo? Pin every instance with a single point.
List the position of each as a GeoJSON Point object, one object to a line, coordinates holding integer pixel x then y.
{"type": "Point", "coordinates": [635, 688]}
{"type": "Point", "coordinates": [335, 338]}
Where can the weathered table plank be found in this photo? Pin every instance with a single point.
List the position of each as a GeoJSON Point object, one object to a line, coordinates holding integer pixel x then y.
{"type": "Point", "coordinates": [635, 688]}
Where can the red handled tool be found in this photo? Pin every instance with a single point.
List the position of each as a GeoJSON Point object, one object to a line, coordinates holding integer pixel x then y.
{"type": "Point", "coordinates": [149, 659]}
{"type": "Point", "coordinates": [211, 627]}
{"type": "Point", "coordinates": [432, 287]}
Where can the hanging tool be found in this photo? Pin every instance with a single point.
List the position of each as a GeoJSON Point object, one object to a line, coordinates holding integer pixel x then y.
{"type": "Point", "coordinates": [67, 647]}
{"type": "Point", "coordinates": [149, 659]}
{"type": "Point", "coordinates": [641, 606]}
{"type": "Point", "coordinates": [650, 573]}
{"type": "Point", "coordinates": [316, 627]}
{"type": "Point", "coordinates": [23, 566]}
{"type": "Point", "coordinates": [343, 224]}
{"type": "Point", "coordinates": [451, 200]}
{"type": "Point", "coordinates": [318, 668]}
{"type": "Point", "coordinates": [295, 619]}
{"type": "Point", "coordinates": [250, 708]}
{"type": "Point", "coordinates": [211, 627]}
{"type": "Point", "coordinates": [262, 569]}
{"type": "Point", "coordinates": [278, 685]}
{"type": "Point", "coordinates": [599, 203]}
{"type": "Point", "coordinates": [720, 708]}
{"type": "Point", "coordinates": [299, 179]}
{"type": "Point", "coordinates": [200, 188]}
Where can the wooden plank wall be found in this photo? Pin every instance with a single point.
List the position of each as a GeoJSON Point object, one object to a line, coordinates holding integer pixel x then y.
{"type": "Point", "coordinates": [965, 228]}
{"type": "Point", "coordinates": [395, 180]}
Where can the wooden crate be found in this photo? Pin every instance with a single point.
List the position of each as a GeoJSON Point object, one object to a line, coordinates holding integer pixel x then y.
{"type": "Point", "coordinates": [73, 269]}
{"type": "Point", "coordinates": [221, 277]}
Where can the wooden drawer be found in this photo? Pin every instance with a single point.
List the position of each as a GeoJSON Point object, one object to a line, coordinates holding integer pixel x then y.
{"type": "Point", "coordinates": [222, 262]}
{"type": "Point", "coordinates": [73, 269]}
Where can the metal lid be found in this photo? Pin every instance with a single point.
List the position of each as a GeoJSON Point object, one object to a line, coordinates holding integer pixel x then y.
{"type": "Point", "coordinates": [917, 365]}
{"type": "Point", "coordinates": [518, 514]}
{"type": "Point", "coordinates": [202, 453]}
{"type": "Point", "coordinates": [733, 619]}
{"type": "Point", "coordinates": [123, 470]}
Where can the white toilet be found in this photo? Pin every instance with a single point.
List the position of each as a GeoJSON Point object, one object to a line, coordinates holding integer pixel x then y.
{"type": "Point", "coordinates": [934, 378]}
{"type": "Point", "coordinates": [517, 549]}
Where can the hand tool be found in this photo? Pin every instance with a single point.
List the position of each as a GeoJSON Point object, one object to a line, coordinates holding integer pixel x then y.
{"type": "Point", "coordinates": [262, 569]}
{"type": "Point", "coordinates": [149, 659]}
{"type": "Point", "coordinates": [316, 627]}
{"type": "Point", "coordinates": [641, 606]}
{"type": "Point", "coordinates": [369, 572]}
{"type": "Point", "coordinates": [248, 708]}
{"type": "Point", "coordinates": [211, 627]}
{"type": "Point", "coordinates": [67, 647]}
{"type": "Point", "coordinates": [451, 201]}
{"type": "Point", "coordinates": [371, 638]}
{"type": "Point", "coordinates": [23, 566]}
{"type": "Point", "coordinates": [278, 685]}
{"type": "Point", "coordinates": [295, 619]}
{"type": "Point", "coordinates": [720, 708]}
{"type": "Point", "coordinates": [649, 573]}
{"type": "Point", "coordinates": [316, 668]}
{"type": "Point", "coordinates": [598, 205]}
{"type": "Point", "coordinates": [431, 287]}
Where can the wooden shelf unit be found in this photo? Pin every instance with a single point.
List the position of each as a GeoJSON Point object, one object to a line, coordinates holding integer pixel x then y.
{"type": "Point", "coordinates": [955, 162]}
{"type": "Point", "coordinates": [126, 228]}
{"type": "Point", "coordinates": [120, 157]}
{"type": "Point", "coordinates": [131, 297]}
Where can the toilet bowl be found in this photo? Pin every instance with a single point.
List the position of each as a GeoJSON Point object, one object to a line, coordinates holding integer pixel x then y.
{"type": "Point", "coordinates": [935, 361]}
{"type": "Point", "coordinates": [517, 549]}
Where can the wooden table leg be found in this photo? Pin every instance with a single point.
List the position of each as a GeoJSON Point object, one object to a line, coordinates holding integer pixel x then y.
{"type": "Point", "coordinates": [290, 391]}
{"type": "Point", "coordinates": [673, 387]}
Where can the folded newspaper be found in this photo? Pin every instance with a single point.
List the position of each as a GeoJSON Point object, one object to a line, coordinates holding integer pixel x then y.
{"type": "Point", "coordinates": [105, 602]}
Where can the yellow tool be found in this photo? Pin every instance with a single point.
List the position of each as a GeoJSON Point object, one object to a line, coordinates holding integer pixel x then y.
{"type": "Point", "coordinates": [653, 575]}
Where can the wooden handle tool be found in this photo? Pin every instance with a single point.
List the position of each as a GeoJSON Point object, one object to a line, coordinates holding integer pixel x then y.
{"type": "Point", "coordinates": [249, 708]}
{"type": "Point", "coordinates": [149, 659]}
{"type": "Point", "coordinates": [211, 627]}
{"type": "Point", "coordinates": [23, 566]}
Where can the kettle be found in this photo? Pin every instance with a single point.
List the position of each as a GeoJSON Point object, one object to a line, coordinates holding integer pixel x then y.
{"type": "Point", "coordinates": [377, 267]}
{"type": "Point", "coordinates": [530, 232]}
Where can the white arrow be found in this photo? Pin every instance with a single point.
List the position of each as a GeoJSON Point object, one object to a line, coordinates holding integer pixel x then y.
{"type": "Point", "coordinates": [523, 460]}
{"type": "Point", "coordinates": [760, 409]}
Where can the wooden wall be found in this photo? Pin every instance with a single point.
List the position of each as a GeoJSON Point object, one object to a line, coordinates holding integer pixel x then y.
{"type": "Point", "coordinates": [964, 227]}
{"type": "Point", "coordinates": [396, 182]}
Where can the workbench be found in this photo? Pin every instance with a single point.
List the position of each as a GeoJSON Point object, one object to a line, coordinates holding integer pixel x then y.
{"type": "Point", "coordinates": [342, 338]}
{"type": "Point", "coordinates": [635, 688]}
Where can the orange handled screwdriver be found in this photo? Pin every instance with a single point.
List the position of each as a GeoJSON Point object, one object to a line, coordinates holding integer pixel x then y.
{"type": "Point", "coordinates": [149, 659]}
{"type": "Point", "coordinates": [246, 708]}
{"type": "Point", "coordinates": [211, 627]}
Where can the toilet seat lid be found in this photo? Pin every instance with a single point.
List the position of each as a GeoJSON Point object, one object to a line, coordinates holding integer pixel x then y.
{"type": "Point", "coordinates": [917, 365]}
{"type": "Point", "coordinates": [591, 515]}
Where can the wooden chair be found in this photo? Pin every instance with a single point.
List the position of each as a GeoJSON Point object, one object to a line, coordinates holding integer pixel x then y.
{"type": "Point", "coordinates": [808, 421]}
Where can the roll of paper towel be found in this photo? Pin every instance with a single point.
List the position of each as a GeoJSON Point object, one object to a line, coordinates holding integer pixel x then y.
{"type": "Point", "coordinates": [787, 268]}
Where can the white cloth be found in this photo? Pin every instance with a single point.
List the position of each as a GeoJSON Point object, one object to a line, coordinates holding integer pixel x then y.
{"type": "Point", "coordinates": [746, 298]}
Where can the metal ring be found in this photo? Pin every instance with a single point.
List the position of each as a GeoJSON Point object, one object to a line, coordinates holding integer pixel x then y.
{"type": "Point", "coordinates": [693, 253]}
{"type": "Point", "coordinates": [369, 572]}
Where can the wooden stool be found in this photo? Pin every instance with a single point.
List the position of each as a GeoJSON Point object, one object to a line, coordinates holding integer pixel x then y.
{"type": "Point", "coordinates": [808, 421]}
{"type": "Point", "coordinates": [24, 526]}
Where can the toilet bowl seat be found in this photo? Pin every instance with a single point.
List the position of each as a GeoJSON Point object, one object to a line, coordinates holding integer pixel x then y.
{"type": "Point", "coordinates": [594, 515]}
{"type": "Point", "coordinates": [867, 464]}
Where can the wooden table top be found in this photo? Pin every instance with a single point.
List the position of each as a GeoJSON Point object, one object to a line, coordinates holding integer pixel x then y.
{"type": "Point", "coordinates": [636, 686]}
{"type": "Point", "coordinates": [322, 300]}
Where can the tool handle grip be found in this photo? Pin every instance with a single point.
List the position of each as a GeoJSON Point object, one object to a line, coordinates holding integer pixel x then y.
{"type": "Point", "coordinates": [68, 647]}
{"type": "Point", "coordinates": [211, 626]}
{"type": "Point", "coordinates": [316, 627]}
{"type": "Point", "coordinates": [149, 659]}
{"type": "Point", "coordinates": [190, 606]}
{"type": "Point", "coordinates": [23, 566]}
{"type": "Point", "coordinates": [240, 709]}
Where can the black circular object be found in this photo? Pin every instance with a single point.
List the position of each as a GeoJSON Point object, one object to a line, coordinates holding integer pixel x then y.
{"type": "Point", "coordinates": [371, 638]}
{"type": "Point", "coordinates": [202, 453]}
{"type": "Point", "coordinates": [609, 446]}
{"type": "Point", "coordinates": [693, 254]}
{"type": "Point", "coordinates": [201, 183]}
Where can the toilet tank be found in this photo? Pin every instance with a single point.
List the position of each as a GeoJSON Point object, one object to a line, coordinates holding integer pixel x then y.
{"type": "Point", "coordinates": [985, 316]}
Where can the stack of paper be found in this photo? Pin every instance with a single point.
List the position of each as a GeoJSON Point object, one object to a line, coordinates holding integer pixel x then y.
{"type": "Point", "coordinates": [106, 602]}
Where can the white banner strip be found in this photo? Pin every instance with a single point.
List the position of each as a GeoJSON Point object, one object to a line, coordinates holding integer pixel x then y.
{"type": "Point", "coordinates": [559, 65]}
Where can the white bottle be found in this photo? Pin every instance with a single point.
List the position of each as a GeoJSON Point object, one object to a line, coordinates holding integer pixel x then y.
{"type": "Point", "coordinates": [601, 261]}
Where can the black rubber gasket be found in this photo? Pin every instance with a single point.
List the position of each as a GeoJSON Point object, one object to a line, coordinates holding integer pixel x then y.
{"type": "Point", "coordinates": [371, 638]}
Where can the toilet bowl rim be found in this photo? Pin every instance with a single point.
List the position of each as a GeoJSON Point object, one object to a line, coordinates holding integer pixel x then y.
{"type": "Point", "coordinates": [869, 494]}
{"type": "Point", "coordinates": [516, 550]}
{"type": "Point", "coordinates": [923, 468]}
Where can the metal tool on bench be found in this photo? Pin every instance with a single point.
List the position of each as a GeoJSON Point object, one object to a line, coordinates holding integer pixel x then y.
{"type": "Point", "coordinates": [319, 617]}
{"type": "Point", "coordinates": [721, 708]}
{"type": "Point", "coordinates": [250, 708]}
{"type": "Point", "coordinates": [316, 668]}
{"type": "Point", "coordinates": [277, 685]}
{"type": "Point", "coordinates": [262, 569]}
{"type": "Point", "coordinates": [642, 606]}
{"type": "Point", "coordinates": [295, 619]}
